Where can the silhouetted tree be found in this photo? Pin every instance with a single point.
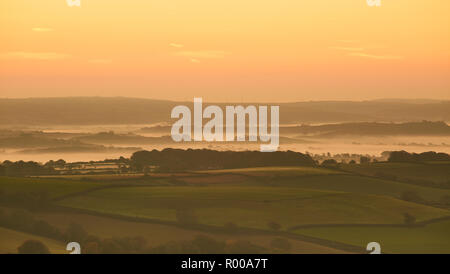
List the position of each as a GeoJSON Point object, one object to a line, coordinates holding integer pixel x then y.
{"type": "Point", "coordinates": [409, 219]}
{"type": "Point", "coordinates": [411, 196]}
{"type": "Point", "coordinates": [186, 216]}
{"type": "Point", "coordinates": [177, 159]}
{"type": "Point", "coordinates": [33, 247]}
{"type": "Point", "coordinates": [281, 243]}
{"type": "Point", "coordinates": [329, 163]}
{"type": "Point", "coordinates": [76, 233]}
{"type": "Point", "coordinates": [273, 225]}
{"type": "Point", "coordinates": [403, 156]}
{"type": "Point", "coordinates": [230, 227]}
{"type": "Point", "coordinates": [364, 160]}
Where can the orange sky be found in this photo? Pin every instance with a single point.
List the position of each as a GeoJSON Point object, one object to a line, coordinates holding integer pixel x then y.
{"type": "Point", "coordinates": [233, 50]}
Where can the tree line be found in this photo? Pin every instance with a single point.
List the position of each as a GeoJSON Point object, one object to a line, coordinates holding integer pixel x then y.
{"type": "Point", "coordinates": [403, 156]}
{"type": "Point", "coordinates": [196, 159]}
{"type": "Point", "coordinates": [22, 168]}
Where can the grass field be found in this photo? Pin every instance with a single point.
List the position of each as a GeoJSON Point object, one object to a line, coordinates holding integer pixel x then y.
{"type": "Point", "coordinates": [433, 171]}
{"type": "Point", "coordinates": [10, 240]}
{"type": "Point", "coordinates": [433, 238]}
{"type": "Point", "coordinates": [275, 171]}
{"type": "Point", "coordinates": [251, 198]}
{"type": "Point", "coordinates": [52, 187]}
{"type": "Point", "coordinates": [252, 206]}
{"type": "Point", "coordinates": [56, 186]}
{"type": "Point", "coordinates": [364, 185]}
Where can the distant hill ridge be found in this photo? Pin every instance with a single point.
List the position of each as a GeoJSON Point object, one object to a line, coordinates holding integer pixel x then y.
{"type": "Point", "coordinates": [370, 129]}
{"type": "Point", "coordinates": [121, 110]}
{"type": "Point", "coordinates": [422, 128]}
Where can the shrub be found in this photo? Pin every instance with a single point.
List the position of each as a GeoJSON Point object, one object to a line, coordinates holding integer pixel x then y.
{"type": "Point", "coordinates": [364, 160]}
{"type": "Point", "coordinates": [186, 216]}
{"type": "Point", "coordinates": [33, 247]}
{"type": "Point", "coordinates": [76, 233]}
{"type": "Point", "coordinates": [91, 248]}
{"type": "Point", "coordinates": [281, 244]}
{"type": "Point", "coordinates": [445, 199]}
{"type": "Point", "coordinates": [409, 219]}
{"type": "Point", "coordinates": [411, 196]}
{"type": "Point", "coordinates": [329, 163]}
{"type": "Point", "coordinates": [207, 245]}
{"type": "Point", "coordinates": [273, 226]}
{"type": "Point", "coordinates": [230, 227]}
{"type": "Point", "coordinates": [244, 247]}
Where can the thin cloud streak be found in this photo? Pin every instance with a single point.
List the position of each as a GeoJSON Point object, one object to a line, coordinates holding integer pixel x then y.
{"type": "Point", "coordinates": [42, 29]}
{"type": "Point", "coordinates": [373, 56]}
{"type": "Point", "coordinates": [34, 55]}
{"type": "Point", "coordinates": [100, 61]}
{"type": "Point", "coordinates": [347, 48]}
{"type": "Point", "coordinates": [203, 54]}
{"type": "Point", "coordinates": [175, 45]}
{"type": "Point", "coordinates": [348, 41]}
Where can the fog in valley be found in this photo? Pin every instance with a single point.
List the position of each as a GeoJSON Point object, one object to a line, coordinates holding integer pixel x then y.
{"type": "Point", "coordinates": [34, 130]}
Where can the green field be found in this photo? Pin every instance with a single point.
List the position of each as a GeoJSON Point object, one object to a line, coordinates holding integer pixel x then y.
{"type": "Point", "coordinates": [363, 185]}
{"type": "Point", "coordinates": [252, 206]}
{"type": "Point", "coordinates": [250, 198]}
{"type": "Point", "coordinates": [275, 171]}
{"type": "Point", "coordinates": [10, 240]}
{"type": "Point", "coordinates": [52, 187]}
{"type": "Point", "coordinates": [438, 172]}
{"type": "Point", "coordinates": [433, 238]}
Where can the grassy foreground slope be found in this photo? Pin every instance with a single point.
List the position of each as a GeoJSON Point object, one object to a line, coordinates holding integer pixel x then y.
{"type": "Point", "coordinates": [157, 234]}
{"type": "Point", "coordinates": [249, 198]}
{"type": "Point", "coordinates": [10, 240]}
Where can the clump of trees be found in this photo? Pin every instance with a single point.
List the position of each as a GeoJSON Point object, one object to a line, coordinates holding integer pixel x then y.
{"type": "Point", "coordinates": [412, 196]}
{"type": "Point", "coordinates": [194, 159]}
{"type": "Point", "coordinates": [206, 245]}
{"type": "Point", "coordinates": [22, 168]}
{"type": "Point", "coordinates": [409, 219]}
{"type": "Point", "coordinates": [281, 244]}
{"type": "Point", "coordinates": [364, 160]}
{"type": "Point", "coordinates": [330, 163]}
{"type": "Point", "coordinates": [272, 225]}
{"type": "Point", "coordinates": [33, 247]}
{"type": "Point", "coordinates": [403, 156]}
{"type": "Point", "coordinates": [24, 221]}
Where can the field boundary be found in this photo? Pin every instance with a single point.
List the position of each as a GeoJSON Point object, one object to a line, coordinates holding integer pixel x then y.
{"type": "Point", "coordinates": [211, 229]}
{"type": "Point", "coordinates": [417, 224]}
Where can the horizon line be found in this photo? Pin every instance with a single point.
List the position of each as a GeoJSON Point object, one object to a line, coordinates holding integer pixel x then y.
{"type": "Point", "coordinates": [381, 99]}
